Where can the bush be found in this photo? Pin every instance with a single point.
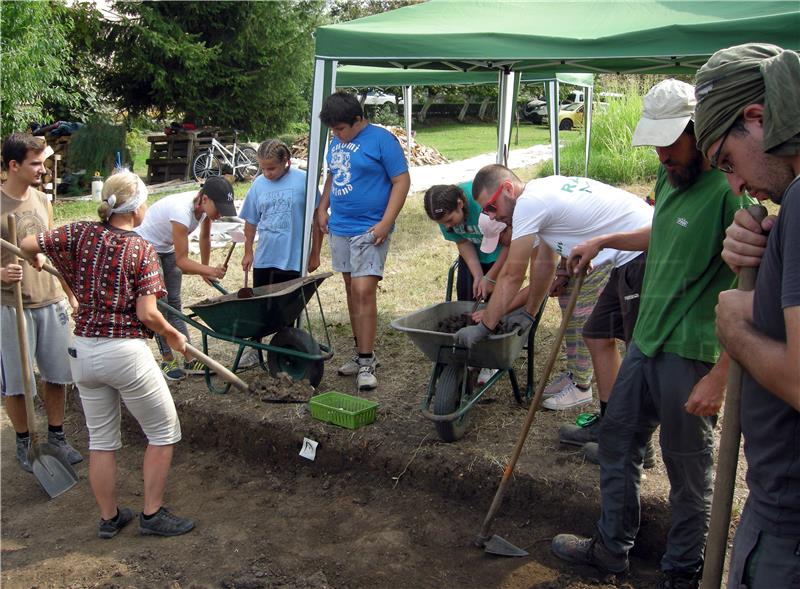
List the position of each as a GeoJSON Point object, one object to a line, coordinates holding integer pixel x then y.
{"type": "Point", "coordinates": [94, 148]}
{"type": "Point", "coordinates": [612, 158]}
{"type": "Point", "coordinates": [385, 115]}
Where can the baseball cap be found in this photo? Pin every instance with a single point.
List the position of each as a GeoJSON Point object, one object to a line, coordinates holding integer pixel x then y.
{"type": "Point", "coordinates": [668, 108]}
{"type": "Point", "coordinates": [220, 191]}
{"type": "Point", "coordinates": [491, 231]}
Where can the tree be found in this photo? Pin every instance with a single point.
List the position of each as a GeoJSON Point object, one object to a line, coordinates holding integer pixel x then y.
{"type": "Point", "coordinates": [34, 57]}
{"type": "Point", "coordinates": [241, 65]}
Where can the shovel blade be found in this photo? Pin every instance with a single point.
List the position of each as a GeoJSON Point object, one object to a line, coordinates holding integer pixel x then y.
{"type": "Point", "coordinates": [502, 547]}
{"type": "Point", "coordinates": [51, 469]}
{"type": "Point", "coordinates": [245, 293]}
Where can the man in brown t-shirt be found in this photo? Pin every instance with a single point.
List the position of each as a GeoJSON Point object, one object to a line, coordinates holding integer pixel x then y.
{"type": "Point", "coordinates": [43, 302]}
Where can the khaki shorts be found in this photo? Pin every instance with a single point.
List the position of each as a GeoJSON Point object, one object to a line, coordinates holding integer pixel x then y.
{"type": "Point", "coordinates": [48, 340]}
{"type": "Point", "coordinates": [109, 370]}
{"type": "Point", "coordinates": [358, 255]}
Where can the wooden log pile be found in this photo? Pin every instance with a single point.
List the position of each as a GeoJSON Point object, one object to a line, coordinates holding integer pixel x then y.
{"type": "Point", "coordinates": [421, 155]}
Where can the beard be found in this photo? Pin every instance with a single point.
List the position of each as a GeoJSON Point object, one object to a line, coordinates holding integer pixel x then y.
{"type": "Point", "coordinates": [685, 176]}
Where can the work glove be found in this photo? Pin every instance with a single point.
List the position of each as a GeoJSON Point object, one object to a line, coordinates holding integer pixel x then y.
{"type": "Point", "coordinates": [519, 319]}
{"type": "Point", "coordinates": [466, 337]}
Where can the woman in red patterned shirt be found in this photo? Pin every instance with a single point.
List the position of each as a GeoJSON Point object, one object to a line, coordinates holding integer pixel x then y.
{"type": "Point", "coordinates": [114, 275]}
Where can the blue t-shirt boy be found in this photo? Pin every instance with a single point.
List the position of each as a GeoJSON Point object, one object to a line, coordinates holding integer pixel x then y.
{"type": "Point", "coordinates": [276, 208]}
{"type": "Point", "coordinates": [361, 179]}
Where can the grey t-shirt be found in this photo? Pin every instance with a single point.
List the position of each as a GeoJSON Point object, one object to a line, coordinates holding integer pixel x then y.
{"type": "Point", "coordinates": [770, 426]}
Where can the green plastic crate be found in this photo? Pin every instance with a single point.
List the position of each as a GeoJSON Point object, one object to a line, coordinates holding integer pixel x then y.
{"type": "Point", "coordinates": [343, 410]}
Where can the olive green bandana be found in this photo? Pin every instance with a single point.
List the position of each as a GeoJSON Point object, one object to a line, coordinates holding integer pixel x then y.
{"type": "Point", "coordinates": [756, 73]}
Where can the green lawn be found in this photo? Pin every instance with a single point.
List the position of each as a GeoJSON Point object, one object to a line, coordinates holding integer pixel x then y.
{"type": "Point", "coordinates": [458, 141]}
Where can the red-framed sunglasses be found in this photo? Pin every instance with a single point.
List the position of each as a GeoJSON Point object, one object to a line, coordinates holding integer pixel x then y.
{"type": "Point", "coordinates": [491, 207]}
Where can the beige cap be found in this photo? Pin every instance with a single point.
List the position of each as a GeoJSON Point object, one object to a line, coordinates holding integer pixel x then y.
{"type": "Point", "coordinates": [491, 231]}
{"type": "Point", "coordinates": [668, 108]}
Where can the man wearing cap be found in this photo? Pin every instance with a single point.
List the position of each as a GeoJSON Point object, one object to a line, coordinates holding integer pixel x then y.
{"type": "Point", "coordinates": [672, 373]}
{"type": "Point", "coordinates": [549, 216]}
{"type": "Point", "coordinates": [167, 225]}
{"type": "Point", "coordinates": [45, 310]}
{"type": "Point", "coordinates": [748, 125]}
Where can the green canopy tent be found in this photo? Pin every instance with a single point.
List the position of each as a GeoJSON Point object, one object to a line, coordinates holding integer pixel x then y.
{"type": "Point", "coordinates": [355, 76]}
{"type": "Point", "coordinates": [512, 37]}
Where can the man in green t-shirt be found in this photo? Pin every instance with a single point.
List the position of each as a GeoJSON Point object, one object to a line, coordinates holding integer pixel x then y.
{"type": "Point", "coordinates": [673, 374]}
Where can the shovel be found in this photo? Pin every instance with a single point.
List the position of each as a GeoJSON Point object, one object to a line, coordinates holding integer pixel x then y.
{"type": "Point", "coordinates": [496, 544]}
{"type": "Point", "coordinates": [246, 292]}
{"type": "Point", "coordinates": [50, 467]}
{"type": "Point", "coordinates": [728, 455]}
{"type": "Point", "coordinates": [208, 361]}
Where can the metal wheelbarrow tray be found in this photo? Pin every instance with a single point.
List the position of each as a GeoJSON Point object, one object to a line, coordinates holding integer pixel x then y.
{"type": "Point", "coordinates": [450, 388]}
{"type": "Point", "coordinates": [273, 309]}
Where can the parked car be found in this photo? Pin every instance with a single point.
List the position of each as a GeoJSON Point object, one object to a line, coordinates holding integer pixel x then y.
{"type": "Point", "coordinates": [535, 111]}
{"type": "Point", "coordinates": [571, 115]}
{"type": "Point", "coordinates": [379, 98]}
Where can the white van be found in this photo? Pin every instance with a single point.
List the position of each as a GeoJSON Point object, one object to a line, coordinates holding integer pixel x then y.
{"type": "Point", "coordinates": [577, 96]}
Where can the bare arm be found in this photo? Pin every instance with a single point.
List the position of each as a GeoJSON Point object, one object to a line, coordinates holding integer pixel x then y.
{"type": "Point", "coordinates": [73, 302]}
{"type": "Point", "coordinates": [316, 244]}
{"type": "Point", "coordinates": [543, 269]}
{"type": "Point", "coordinates": [510, 279]}
{"type": "Point", "coordinates": [205, 241]}
{"type": "Point", "coordinates": [180, 238]}
{"type": "Point", "coordinates": [775, 365]}
{"type": "Point", "coordinates": [324, 203]}
{"type": "Point", "coordinates": [629, 241]}
{"type": "Point", "coordinates": [397, 198]}
{"type": "Point", "coordinates": [148, 313]}
{"type": "Point", "coordinates": [249, 238]}
{"type": "Point", "coordinates": [708, 394]}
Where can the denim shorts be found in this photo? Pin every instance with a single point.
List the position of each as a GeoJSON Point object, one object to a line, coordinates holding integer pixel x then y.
{"type": "Point", "coordinates": [358, 255]}
{"type": "Point", "coordinates": [48, 340]}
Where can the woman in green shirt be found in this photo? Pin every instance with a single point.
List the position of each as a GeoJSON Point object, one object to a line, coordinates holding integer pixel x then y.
{"type": "Point", "coordinates": [457, 213]}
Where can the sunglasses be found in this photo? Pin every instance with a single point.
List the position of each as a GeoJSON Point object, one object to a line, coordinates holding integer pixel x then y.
{"type": "Point", "coordinates": [714, 161]}
{"type": "Point", "coordinates": [491, 206]}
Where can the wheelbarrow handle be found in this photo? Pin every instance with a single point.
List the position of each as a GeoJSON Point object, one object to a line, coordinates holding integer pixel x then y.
{"type": "Point", "coordinates": [218, 368]}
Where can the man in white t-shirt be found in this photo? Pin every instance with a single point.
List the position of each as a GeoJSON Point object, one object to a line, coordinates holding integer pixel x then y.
{"type": "Point", "coordinates": [549, 216]}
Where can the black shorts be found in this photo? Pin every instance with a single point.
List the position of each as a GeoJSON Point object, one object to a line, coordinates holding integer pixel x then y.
{"type": "Point", "coordinates": [265, 276]}
{"type": "Point", "coordinates": [615, 312]}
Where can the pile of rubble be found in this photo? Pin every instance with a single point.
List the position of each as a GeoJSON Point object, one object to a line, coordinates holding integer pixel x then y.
{"type": "Point", "coordinates": [421, 155]}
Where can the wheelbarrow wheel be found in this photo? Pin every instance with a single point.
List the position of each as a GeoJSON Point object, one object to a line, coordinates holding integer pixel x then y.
{"type": "Point", "coordinates": [448, 400]}
{"type": "Point", "coordinates": [298, 340]}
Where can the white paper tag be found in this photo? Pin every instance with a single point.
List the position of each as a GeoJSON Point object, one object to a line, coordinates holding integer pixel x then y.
{"type": "Point", "coordinates": [309, 449]}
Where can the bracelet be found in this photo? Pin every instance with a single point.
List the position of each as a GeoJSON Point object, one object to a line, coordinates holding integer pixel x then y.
{"type": "Point", "coordinates": [489, 280]}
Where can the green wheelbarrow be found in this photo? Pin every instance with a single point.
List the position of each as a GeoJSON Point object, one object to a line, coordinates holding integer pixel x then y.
{"type": "Point", "coordinates": [273, 309]}
{"type": "Point", "coordinates": [450, 389]}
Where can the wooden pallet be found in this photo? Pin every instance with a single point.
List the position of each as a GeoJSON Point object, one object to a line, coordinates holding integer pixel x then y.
{"type": "Point", "coordinates": [171, 156]}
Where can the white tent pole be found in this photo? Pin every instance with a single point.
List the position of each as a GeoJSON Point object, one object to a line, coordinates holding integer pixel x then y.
{"type": "Point", "coordinates": [552, 113]}
{"type": "Point", "coordinates": [506, 80]}
{"type": "Point", "coordinates": [407, 116]}
{"type": "Point", "coordinates": [316, 136]}
{"type": "Point", "coordinates": [587, 126]}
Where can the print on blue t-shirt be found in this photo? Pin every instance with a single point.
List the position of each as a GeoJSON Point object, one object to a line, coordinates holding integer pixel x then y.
{"type": "Point", "coordinates": [361, 179]}
{"type": "Point", "coordinates": [276, 209]}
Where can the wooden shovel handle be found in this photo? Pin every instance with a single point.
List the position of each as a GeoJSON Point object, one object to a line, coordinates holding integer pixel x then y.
{"type": "Point", "coordinates": [728, 454]}
{"type": "Point", "coordinates": [22, 336]}
{"type": "Point", "coordinates": [20, 254]}
{"type": "Point", "coordinates": [230, 252]}
{"type": "Point", "coordinates": [218, 368]}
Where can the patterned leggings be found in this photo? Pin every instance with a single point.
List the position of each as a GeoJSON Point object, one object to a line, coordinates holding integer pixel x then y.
{"type": "Point", "coordinates": [579, 362]}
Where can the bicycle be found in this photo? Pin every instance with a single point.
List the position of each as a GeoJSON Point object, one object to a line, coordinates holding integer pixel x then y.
{"type": "Point", "coordinates": [242, 161]}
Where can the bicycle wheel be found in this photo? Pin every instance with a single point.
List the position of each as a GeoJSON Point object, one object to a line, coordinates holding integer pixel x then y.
{"type": "Point", "coordinates": [246, 163]}
{"type": "Point", "coordinates": [206, 165]}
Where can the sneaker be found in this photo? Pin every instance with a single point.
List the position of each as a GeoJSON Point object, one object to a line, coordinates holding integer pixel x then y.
{"type": "Point", "coordinates": [558, 384]}
{"type": "Point", "coordinates": [22, 454]}
{"type": "Point", "coordinates": [577, 435]}
{"type": "Point", "coordinates": [59, 440]}
{"type": "Point", "coordinates": [111, 527]}
{"type": "Point", "coordinates": [485, 374]}
{"type": "Point", "coordinates": [570, 396]}
{"type": "Point", "coordinates": [350, 368]}
{"type": "Point", "coordinates": [590, 551]}
{"type": "Point", "coordinates": [591, 452]}
{"type": "Point", "coordinates": [164, 523]}
{"type": "Point", "coordinates": [366, 373]}
{"type": "Point", "coordinates": [196, 367]}
{"type": "Point", "coordinates": [679, 580]}
{"type": "Point", "coordinates": [249, 358]}
{"type": "Point", "coordinates": [172, 371]}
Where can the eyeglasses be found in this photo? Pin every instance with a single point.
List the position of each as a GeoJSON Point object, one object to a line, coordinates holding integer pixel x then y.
{"type": "Point", "coordinates": [726, 168]}
{"type": "Point", "coordinates": [491, 206]}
